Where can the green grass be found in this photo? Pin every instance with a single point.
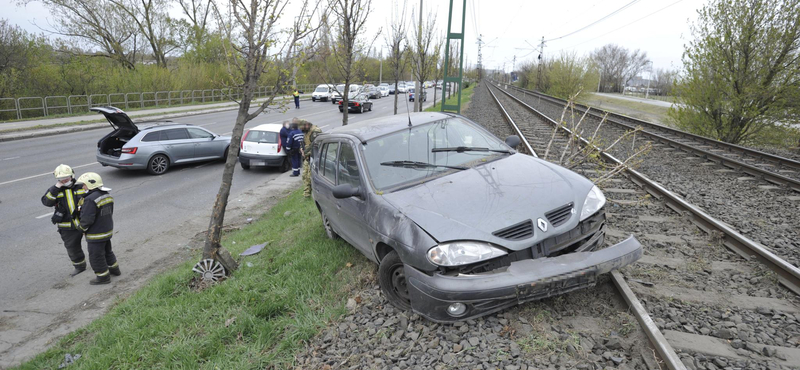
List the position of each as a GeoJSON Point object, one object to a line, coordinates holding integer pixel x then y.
{"type": "Point", "coordinates": [296, 285]}
{"type": "Point", "coordinates": [466, 96]}
{"type": "Point", "coordinates": [643, 111]}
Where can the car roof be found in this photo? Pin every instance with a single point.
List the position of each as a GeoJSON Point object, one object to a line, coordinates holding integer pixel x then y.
{"type": "Point", "coordinates": [376, 127]}
{"type": "Point", "coordinates": [164, 125]}
{"type": "Point", "coordinates": [274, 127]}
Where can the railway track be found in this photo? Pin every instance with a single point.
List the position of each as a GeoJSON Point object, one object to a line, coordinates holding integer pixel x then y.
{"type": "Point", "coordinates": [700, 304]}
{"type": "Point", "coordinates": [770, 167]}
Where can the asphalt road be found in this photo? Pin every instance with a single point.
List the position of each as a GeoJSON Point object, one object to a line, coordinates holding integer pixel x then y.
{"type": "Point", "coordinates": [35, 267]}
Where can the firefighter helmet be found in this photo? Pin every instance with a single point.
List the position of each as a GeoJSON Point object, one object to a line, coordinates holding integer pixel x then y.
{"type": "Point", "coordinates": [91, 180]}
{"type": "Point", "coordinates": [63, 171]}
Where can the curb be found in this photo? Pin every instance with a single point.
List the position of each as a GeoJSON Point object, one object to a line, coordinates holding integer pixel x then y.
{"type": "Point", "coordinates": [30, 134]}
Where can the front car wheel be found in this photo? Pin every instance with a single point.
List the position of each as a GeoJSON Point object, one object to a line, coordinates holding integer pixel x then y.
{"type": "Point", "coordinates": [392, 279]}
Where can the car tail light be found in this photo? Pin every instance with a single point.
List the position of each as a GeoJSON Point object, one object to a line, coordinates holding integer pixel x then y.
{"type": "Point", "coordinates": [129, 150]}
{"type": "Point", "coordinates": [279, 145]}
{"type": "Point", "coordinates": [356, 104]}
{"type": "Point", "coordinates": [241, 145]}
{"type": "Point", "coordinates": [340, 102]}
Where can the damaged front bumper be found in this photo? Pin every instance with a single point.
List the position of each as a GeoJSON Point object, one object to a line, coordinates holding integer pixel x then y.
{"type": "Point", "coordinates": [522, 281]}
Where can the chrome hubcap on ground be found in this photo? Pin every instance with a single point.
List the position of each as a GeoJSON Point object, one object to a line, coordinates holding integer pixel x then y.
{"type": "Point", "coordinates": [209, 270]}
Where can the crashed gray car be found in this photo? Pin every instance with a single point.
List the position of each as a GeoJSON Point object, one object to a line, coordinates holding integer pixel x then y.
{"type": "Point", "coordinates": [460, 224]}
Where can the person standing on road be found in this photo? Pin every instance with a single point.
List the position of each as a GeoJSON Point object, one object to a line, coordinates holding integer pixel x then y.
{"type": "Point", "coordinates": [310, 133]}
{"type": "Point", "coordinates": [96, 221]}
{"type": "Point", "coordinates": [296, 94]}
{"type": "Point", "coordinates": [64, 196]}
{"type": "Point", "coordinates": [295, 146]}
{"type": "Point", "coordinates": [284, 135]}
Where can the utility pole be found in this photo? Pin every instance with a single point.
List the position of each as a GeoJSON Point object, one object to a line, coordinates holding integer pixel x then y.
{"type": "Point", "coordinates": [540, 68]}
{"type": "Point", "coordinates": [480, 57]}
{"type": "Point", "coordinates": [649, 76]}
{"type": "Point", "coordinates": [513, 68]}
{"type": "Point", "coordinates": [380, 73]}
{"type": "Point", "coordinates": [417, 85]}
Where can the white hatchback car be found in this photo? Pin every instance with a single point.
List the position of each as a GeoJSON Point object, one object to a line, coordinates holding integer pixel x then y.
{"type": "Point", "coordinates": [384, 90]}
{"type": "Point", "coordinates": [261, 147]}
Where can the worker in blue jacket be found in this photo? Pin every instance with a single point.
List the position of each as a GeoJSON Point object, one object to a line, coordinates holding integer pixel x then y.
{"type": "Point", "coordinates": [294, 145]}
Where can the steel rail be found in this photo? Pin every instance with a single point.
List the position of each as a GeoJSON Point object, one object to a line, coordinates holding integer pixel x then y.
{"type": "Point", "coordinates": [661, 345]}
{"type": "Point", "coordinates": [788, 274]}
{"type": "Point", "coordinates": [513, 124]}
{"type": "Point", "coordinates": [767, 158]}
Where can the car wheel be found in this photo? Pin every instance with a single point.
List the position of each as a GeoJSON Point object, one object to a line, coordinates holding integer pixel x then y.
{"type": "Point", "coordinates": [361, 109]}
{"type": "Point", "coordinates": [286, 165]}
{"type": "Point", "coordinates": [370, 107]}
{"type": "Point", "coordinates": [225, 155]}
{"type": "Point", "coordinates": [326, 223]}
{"type": "Point", "coordinates": [158, 164]}
{"type": "Point", "coordinates": [313, 99]}
{"type": "Point", "coordinates": [245, 166]}
{"type": "Point", "coordinates": [392, 279]}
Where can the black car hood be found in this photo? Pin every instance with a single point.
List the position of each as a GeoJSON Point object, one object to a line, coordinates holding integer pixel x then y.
{"type": "Point", "coordinates": [474, 203]}
{"type": "Point", "coordinates": [117, 118]}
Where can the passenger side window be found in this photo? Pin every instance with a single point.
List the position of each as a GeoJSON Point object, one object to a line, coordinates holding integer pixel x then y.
{"type": "Point", "coordinates": [175, 134]}
{"type": "Point", "coordinates": [348, 167]}
{"type": "Point", "coordinates": [152, 136]}
{"type": "Point", "coordinates": [329, 161]}
{"type": "Point", "coordinates": [196, 133]}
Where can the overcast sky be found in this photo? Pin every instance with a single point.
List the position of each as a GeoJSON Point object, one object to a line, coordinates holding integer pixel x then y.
{"type": "Point", "coordinates": [510, 27]}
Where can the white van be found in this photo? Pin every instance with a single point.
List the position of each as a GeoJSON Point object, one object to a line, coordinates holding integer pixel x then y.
{"type": "Point", "coordinates": [354, 90]}
{"type": "Point", "coordinates": [322, 93]}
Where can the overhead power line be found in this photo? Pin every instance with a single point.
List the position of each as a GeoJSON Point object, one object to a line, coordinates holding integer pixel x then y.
{"type": "Point", "coordinates": [619, 28]}
{"type": "Point", "coordinates": [597, 21]}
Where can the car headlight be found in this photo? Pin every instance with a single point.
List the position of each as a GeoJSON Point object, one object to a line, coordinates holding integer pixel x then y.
{"type": "Point", "coordinates": [594, 201]}
{"type": "Point", "coordinates": [462, 253]}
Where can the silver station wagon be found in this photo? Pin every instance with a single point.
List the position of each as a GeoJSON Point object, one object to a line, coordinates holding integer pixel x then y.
{"type": "Point", "coordinates": [460, 224]}
{"type": "Point", "coordinates": [156, 147]}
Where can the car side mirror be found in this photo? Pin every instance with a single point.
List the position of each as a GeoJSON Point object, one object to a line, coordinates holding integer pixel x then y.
{"type": "Point", "coordinates": [513, 141]}
{"type": "Point", "coordinates": [344, 191]}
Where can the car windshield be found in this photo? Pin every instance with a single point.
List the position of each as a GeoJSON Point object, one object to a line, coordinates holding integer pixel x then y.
{"type": "Point", "coordinates": [321, 89]}
{"type": "Point", "coordinates": [389, 158]}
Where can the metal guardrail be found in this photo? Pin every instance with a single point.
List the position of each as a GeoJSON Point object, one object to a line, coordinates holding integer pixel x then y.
{"type": "Point", "coordinates": [36, 106]}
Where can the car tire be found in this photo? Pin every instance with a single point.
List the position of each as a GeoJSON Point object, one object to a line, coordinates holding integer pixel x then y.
{"type": "Point", "coordinates": [244, 166]}
{"type": "Point", "coordinates": [326, 223]}
{"type": "Point", "coordinates": [313, 99]}
{"type": "Point", "coordinates": [392, 279]}
{"type": "Point", "coordinates": [370, 107]}
{"type": "Point", "coordinates": [158, 164]}
{"type": "Point", "coordinates": [225, 155]}
{"type": "Point", "coordinates": [361, 109]}
{"type": "Point", "coordinates": [285, 165]}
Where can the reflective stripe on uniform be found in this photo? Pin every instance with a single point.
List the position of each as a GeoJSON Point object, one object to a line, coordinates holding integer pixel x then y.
{"type": "Point", "coordinates": [104, 201]}
{"type": "Point", "coordinates": [49, 196]}
{"type": "Point", "coordinates": [64, 224]}
{"type": "Point", "coordinates": [114, 265]}
{"type": "Point", "coordinates": [80, 263]}
{"type": "Point", "coordinates": [80, 191]}
{"type": "Point", "coordinates": [60, 195]}
{"type": "Point", "coordinates": [77, 223]}
{"type": "Point", "coordinates": [102, 273]}
{"type": "Point", "coordinates": [70, 202]}
{"type": "Point", "coordinates": [99, 236]}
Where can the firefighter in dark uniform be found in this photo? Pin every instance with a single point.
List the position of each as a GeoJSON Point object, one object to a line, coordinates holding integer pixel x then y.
{"type": "Point", "coordinates": [64, 196]}
{"type": "Point", "coordinates": [97, 208]}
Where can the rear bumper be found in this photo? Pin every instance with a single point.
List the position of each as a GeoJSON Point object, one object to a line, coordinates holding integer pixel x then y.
{"type": "Point", "coordinates": [522, 281]}
{"type": "Point", "coordinates": [125, 161]}
{"type": "Point", "coordinates": [256, 160]}
{"type": "Point", "coordinates": [320, 98]}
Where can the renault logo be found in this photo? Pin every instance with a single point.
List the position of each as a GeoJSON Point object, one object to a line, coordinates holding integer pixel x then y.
{"type": "Point", "coordinates": [542, 224]}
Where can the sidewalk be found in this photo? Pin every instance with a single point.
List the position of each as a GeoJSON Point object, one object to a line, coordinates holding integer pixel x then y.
{"type": "Point", "coordinates": [91, 121]}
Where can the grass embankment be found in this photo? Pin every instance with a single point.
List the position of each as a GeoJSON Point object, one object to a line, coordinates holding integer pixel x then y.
{"type": "Point", "coordinates": [643, 111]}
{"type": "Point", "coordinates": [466, 96]}
{"type": "Point", "coordinates": [257, 318]}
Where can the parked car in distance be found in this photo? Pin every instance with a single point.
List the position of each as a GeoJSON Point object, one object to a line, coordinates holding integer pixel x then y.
{"type": "Point", "coordinates": [384, 90]}
{"type": "Point", "coordinates": [322, 93]}
{"type": "Point", "coordinates": [383, 84]}
{"type": "Point", "coordinates": [261, 147]}
{"type": "Point", "coordinates": [411, 95]}
{"type": "Point", "coordinates": [459, 223]}
{"type": "Point", "coordinates": [391, 89]}
{"type": "Point", "coordinates": [368, 85]}
{"type": "Point", "coordinates": [156, 147]}
{"type": "Point", "coordinates": [336, 95]}
{"type": "Point", "coordinates": [373, 92]}
{"type": "Point", "coordinates": [439, 84]}
{"type": "Point", "coordinates": [401, 88]}
{"type": "Point", "coordinates": [427, 84]}
{"type": "Point", "coordinates": [358, 103]}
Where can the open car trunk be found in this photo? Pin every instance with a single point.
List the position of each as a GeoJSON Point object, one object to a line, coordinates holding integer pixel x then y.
{"type": "Point", "coordinates": [124, 130]}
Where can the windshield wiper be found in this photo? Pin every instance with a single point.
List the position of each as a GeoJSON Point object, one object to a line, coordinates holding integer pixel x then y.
{"type": "Point", "coordinates": [415, 164]}
{"type": "Point", "coordinates": [461, 149]}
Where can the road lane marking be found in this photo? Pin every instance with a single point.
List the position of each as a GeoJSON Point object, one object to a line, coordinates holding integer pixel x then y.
{"type": "Point", "coordinates": [10, 158]}
{"type": "Point", "coordinates": [43, 216]}
{"type": "Point", "coordinates": [324, 126]}
{"type": "Point", "coordinates": [42, 174]}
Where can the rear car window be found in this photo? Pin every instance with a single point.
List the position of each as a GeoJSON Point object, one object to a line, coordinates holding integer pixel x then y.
{"type": "Point", "coordinates": [255, 136]}
{"type": "Point", "coordinates": [175, 134]}
{"type": "Point", "coordinates": [152, 136]}
{"type": "Point", "coordinates": [329, 161]}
